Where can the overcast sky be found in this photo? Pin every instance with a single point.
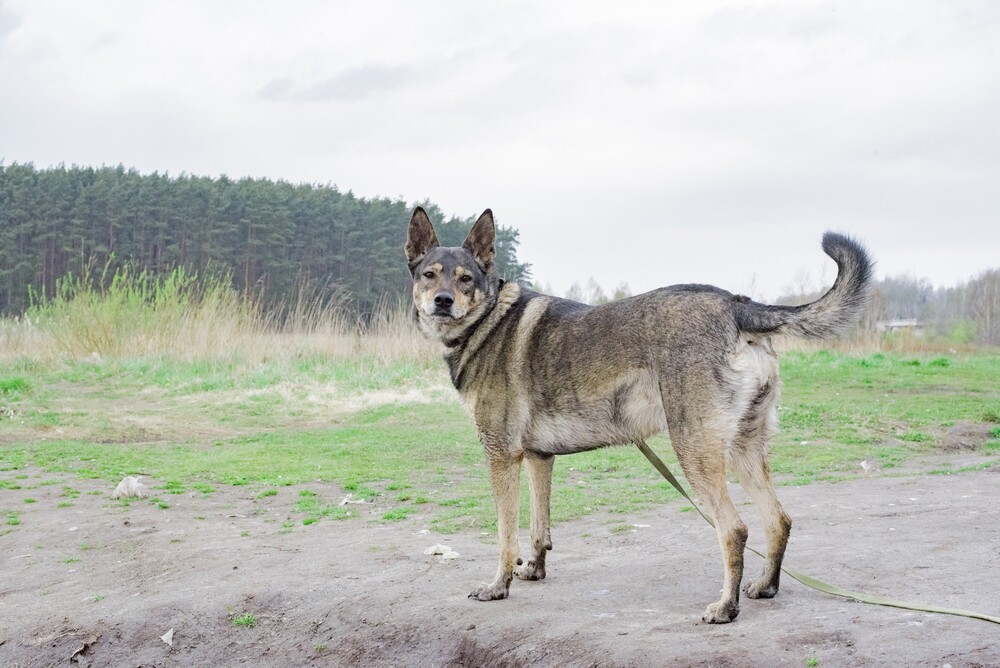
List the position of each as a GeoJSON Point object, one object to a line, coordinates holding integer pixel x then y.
{"type": "Point", "coordinates": [653, 143]}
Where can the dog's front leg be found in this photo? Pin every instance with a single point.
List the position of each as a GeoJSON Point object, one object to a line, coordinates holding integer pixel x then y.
{"type": "Point", "coordinates": [505, 479]}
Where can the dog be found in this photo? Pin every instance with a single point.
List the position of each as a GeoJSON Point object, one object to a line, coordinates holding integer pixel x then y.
{"type": "Point", "coordinates": [543, 376]}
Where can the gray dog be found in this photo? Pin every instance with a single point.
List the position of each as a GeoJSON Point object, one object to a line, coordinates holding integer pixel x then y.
{"type": "Point", "coordinates": [544, 376]}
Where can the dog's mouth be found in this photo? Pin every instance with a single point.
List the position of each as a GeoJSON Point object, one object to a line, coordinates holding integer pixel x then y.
{"type": "Point", "coordinates": [439, 314]}
{"type": "Point", "coordinates": [442, 313]}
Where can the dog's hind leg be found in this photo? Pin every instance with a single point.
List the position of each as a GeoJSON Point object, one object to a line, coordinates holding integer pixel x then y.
{"type": "Point", "coordinates": [750, 461]}
{"type": "Point", "coordinates": [701, 455]}
{"type": "Point", "coordinates": [540, 483]}
{"type": "Point", "coordinates": [754, 474]}
{"type": "Point", "coordinates": [505, 479]}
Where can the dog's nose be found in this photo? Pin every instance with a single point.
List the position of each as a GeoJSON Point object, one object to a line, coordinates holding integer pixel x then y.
{"type": "Point", "coordinates": [443, 300]}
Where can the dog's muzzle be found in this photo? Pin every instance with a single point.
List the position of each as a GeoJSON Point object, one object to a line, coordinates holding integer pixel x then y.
{"type": "Point", "coordinates": [443, 302]}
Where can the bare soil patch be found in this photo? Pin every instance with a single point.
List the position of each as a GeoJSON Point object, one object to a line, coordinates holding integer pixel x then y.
{"type": "Point", "coordinates": [967, 436]}
{"type": "Point", "coordinates": [98, 584]}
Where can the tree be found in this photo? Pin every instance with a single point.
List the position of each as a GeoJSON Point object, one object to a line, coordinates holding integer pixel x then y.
{"type": "Point", "coordinates": [984, 299]}
{"type": "Point", "coordinates": [273, 239]}
{"type": "Point", "coordinates": [595, 293]}
{"type": "Point", "coordinates": [621, 292]}
{"type": "Point", "coordinates": [575, 292]}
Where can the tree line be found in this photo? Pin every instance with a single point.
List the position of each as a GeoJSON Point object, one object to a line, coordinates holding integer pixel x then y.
{"type": "Point", "coordinates": [272, 239]}
{"type": "Point", "coordinates": [966, 313]}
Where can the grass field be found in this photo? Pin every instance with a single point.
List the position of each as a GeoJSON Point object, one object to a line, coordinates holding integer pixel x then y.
{"type": "Point", "coordinates": [393, 432]}
{"type": "Point", "coordinates": [193, 387]}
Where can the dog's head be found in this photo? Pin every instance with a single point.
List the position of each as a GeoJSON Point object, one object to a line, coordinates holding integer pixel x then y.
{"type": "Point", "coordinates": [453, 287]}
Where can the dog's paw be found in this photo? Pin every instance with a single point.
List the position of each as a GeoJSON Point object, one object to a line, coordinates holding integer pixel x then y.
{"type": "Point", "coordinates": [532, 570]}
{"type": "Point", "coordinates": [760, 589]}
{"type": "Point", "coordinates": [489, 592]}
{"type": "Point", "coordinates": [721, 612]}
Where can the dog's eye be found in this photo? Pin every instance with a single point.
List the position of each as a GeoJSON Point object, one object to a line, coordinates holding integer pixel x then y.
{"type": "Point", "coordinates": [466, 278]}
{"type": "Point", "coordinates": [428, 274]}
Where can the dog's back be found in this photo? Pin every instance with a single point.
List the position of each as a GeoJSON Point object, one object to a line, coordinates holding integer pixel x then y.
{"type": "Point", "coordinates": [589, 376]}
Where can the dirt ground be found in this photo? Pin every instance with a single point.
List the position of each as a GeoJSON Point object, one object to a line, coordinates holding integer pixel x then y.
{"type": "Point", "coordinates": [96, 584]}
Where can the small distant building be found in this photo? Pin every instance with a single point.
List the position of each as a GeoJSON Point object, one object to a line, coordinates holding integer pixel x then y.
{"type": "Point", "coordinates": [910, 325]}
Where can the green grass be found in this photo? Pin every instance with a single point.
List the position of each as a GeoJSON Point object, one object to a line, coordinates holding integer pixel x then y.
{"type": "Point", "coordinates": [247, 619]}
{"type": "Point", "coordinates": [312, 505]}
{"type": "Point", "coordinates": [400, 513]}
{"type": "Point", "coordinates": [13, 386]}
{"type": "Point", "coordinates": [174, 487]}
{"type": "Point", "coordinates": [269, 431]}
{"type": "Point", "coordinates": [877, 407]}
{"type": "Point", "coordinates": [229, 393]}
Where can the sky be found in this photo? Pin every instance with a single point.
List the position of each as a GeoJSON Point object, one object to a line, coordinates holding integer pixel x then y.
{"type": "Point", "coordinates": [651, 143]}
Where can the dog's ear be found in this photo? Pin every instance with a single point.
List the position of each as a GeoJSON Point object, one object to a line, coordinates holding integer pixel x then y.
{"type": "Point", "coordinates": [421, 237]}
{"type": "Point", "coordinates": [482, 239]}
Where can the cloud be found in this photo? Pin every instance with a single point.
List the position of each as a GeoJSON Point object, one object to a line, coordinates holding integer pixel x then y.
{"type": "Point", "coordinates": [9, 22]}
{"type": "Point", "coordinates": [347, 85]}
{"type": "Point", "coordinates": [679, 127]}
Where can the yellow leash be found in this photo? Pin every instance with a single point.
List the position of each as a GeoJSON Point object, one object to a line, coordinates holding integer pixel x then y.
{"type": "Point", "coordinates": [807, 580]}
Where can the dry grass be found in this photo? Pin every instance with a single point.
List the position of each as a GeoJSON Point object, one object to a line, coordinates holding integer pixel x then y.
{"type": "Point", "coordinates": [389, 335]}
{"type": "Point", "coordinates": [183, 318]}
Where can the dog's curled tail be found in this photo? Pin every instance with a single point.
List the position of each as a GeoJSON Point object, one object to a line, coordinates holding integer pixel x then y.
{"type": "Point", "coordinates": [830, 314]}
